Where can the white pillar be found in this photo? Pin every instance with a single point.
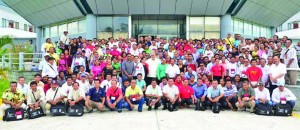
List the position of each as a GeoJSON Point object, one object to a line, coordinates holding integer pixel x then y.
{"type": "Point", "coordinates": [226, 26]}
{"type": "Point", "coordinates": [129, 26]}
{"type": "Point", "coordinates": [91, 24]}
{"type": "Point", "coordinates": [187, 27]}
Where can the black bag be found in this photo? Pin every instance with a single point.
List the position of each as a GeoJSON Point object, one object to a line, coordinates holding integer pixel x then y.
{"type": "Point", "coordinates": [12, 114]}
{"type": "Point", "coordinates": [283, 110]}
{"type": "Point", "coordinates": [200, 105]}
{"type": "Point", "coordinates": [216, 107]}
{"type": "Point", "coordinates": [58, 110]}
{"type": "Point", "coordinates": [76, 110]}
{"type": "Point", "coordinates": [36, 113]}
{"type": "Point", "coordinates": [76, 69]}
{"type": "Point", "coordinates": [264, 109]}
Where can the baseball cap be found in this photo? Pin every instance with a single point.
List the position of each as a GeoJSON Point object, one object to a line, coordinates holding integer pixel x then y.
{"type": "Point", "coordinates": [280, 84]}
{"type": "Point", "coordinates": [54, 82]}
{"type": "Point", "coordinates": [83, 75]}
{"type": "Point", "coordinates": [46, 54]}
{"type": "Point", "coordinates": [78, 53]}
{"type": "Point", "coordinates": [260, 84]}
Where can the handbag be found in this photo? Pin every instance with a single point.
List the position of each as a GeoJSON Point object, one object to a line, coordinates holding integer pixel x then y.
{"type": "Point", "coordinates": [12, 114]}
{"type": "Point", "coordinates": [59, 109]}
{"type": "Point", "coordinates": [283, 110]}
{"type": "Point", "coordinates": [264, 109]}
{"type": "Point", "coordinates": [36, 113]}
{"type": "Point", "coordinates": [76, 110]}
{"type": "Point", "coordinates": [216, 107]}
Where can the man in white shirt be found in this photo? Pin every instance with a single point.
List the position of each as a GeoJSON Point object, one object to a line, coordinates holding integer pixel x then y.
{"type": "Point", "coordinates": [134, 50]}
{"type": "Point", "coordinates": [153, 63]}
{"type": "Point", "coordinates": [105, 84]}
{"type": "Point", "coordinates": [276, 73]}
{"type": "Point", "coordinates": [22, 86]}
{"type": "Point", "coordinates": [153, 46]}
{"type": "Point", "coordinates": [170, 96]}
{"type": "Point", "coordinates": [36, 97]}
{"type": "Point", "coordinates": [44, 62]}
{"type": "Point", "coordinates": [172, 70]}
{"type": "Point", "coordinates": [84, 83]}
{"type": "Point", "coordinates": [65, 38]}
{"type": "Point", "coordinates": [265, 70]}
{"type": "Point", "coordinates": [283, 95]}
{"type": "Point", "coordinates": [76, 96]}
{"type": "Point", "coordinates": [50, 69]}
{"type": "Point", "coordinates": [289, 57]}
{"type": "Point", "coordinates": [66, 87]}
{"type": "Point", "coordinates": [111, 43]}
{"type": "Point", "coordinates": [153, 95]}
{"type": "Point", "coordinates": [55, 99]}
{"type": "Point", "coordinates": [138, 68]}
{"type": "Point", "coordinates": [262, 95]}
{"type": "Point", "coordinates": [232, 68]}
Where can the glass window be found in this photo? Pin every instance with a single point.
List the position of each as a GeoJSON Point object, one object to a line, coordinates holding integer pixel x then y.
{"type": "Point", "coordinates": [196, 24]}
{"type": "Point", "coordinates": [241, 27]}
{"type": "Point", "coordinates": [120, 27]}
{"type": "Point", "coordinates": [73, 28]}
{"type": "Point", "coordinates": [209, 35]}
{"type": "Point", "coordinates": [104, 24]}
{"type": "Point", "coordinates": [104, 35]}
{"type": "Point", "coordinates": [167, 27]}
{"type": "Point", "coordinates": [148, 27]}
{"type": "Point", "coordinates": [62, 28]}
{"type": "Point", "coordinates": [269, 32]}
{"type": "Point", "coordinates": [53, 31]}
{"type": "Point", "coordinates": [196, 35]}
{"type": "Point", "coordinates": [46, 32]}
{"type": "Point", "coordinates": [25, 27]}
{"type": "Point", "coordinates": [212, 24]}
{"type": "Point", "coordinates": [236, 25]}
{"type": "Point", "coordinates": [82, 26]}
{"type": "Point", "coordinates": [17, 25]}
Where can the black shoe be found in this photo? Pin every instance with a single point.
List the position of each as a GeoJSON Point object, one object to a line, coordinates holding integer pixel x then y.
{"type": "Point", "coordinates": [119, 111]}
{"type": "Point", "coordinates": [91, 111]}
{"type": "Point", "coordinates": [149, 108]}
{"type": "Point", "coordinates": [155, 108]}
{"type": "Point", "coordinates": [111, 109]}
{"type": "Point", "coordinates": [140, 110]}
{"type": "Point", "coordinates": [164, 108]}
{"type": "Point", "coordinates": [175, 109]}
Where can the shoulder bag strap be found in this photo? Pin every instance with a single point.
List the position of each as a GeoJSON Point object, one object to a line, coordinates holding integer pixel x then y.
{"type": "Point", "coordinates": [55, 94]}
{"type": "Point", "coordinates": [34, 96]}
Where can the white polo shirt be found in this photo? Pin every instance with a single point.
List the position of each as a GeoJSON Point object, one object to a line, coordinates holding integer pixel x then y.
{"type": "Point", "coordinates": [76, 94]}
{"type": "Point", "coordinates": [276, 70]}
{"type": "Point", "coordinates": [50, 94]}
{"type": "Point", "coordinates": [265, 94]}
{"type": "Point", "coordinates": [171, 91]}
{"type": "Point", "coordinates": [232, 69]}
{"type": "Point", "coordinates": [289, 54]}
{"type": "Point", "coordinates": [265, 71]}
{"type": "Point", "coordinates": [156, 90]}
{"type": "Point", "coordinates": [172, 71]}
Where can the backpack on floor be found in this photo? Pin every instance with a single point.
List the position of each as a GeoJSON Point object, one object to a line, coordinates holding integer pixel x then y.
{"type": "Point", "coordinates": [36, 113]}
{"type": "Point", "coordinates": [76, 110]}
{"type": "Point", "coordinates": [216, 107]}
{"type": "Point", "coordinates": [12, 114]}
{"type": "Point", "coordinates": [264, 109]}
{"type": "Point", "coordinates": [58, 110]}
{"type": "Point", "coordinates": [283, 110]}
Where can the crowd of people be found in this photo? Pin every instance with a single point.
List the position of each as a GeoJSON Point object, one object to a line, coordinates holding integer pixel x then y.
{"type": "Point", "coordinates": [119, 73]}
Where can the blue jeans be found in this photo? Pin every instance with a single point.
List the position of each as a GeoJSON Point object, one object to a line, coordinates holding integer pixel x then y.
{"type": "Point", "coordinates": [291, 103]}
{"type": "Point", "coordinates": [140, 102]}
{"type": "Point", "coordinates": [118, 106]}
{"type": "Point", "coordinates": [269, 102]}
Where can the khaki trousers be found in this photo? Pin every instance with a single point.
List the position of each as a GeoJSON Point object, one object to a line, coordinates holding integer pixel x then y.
{"type": "Point", "coordinates": [250, 104]}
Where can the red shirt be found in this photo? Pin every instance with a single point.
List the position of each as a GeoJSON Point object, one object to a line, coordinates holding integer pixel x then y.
{"type": "Point", "coordinates": [217, 70]}
{"type": "Point", "coordinates": [186, 91]}
{"type": "Point", "coordinates": [178, 84]}
{"type": "Point", "coordinates": [113, 93]}
{"type": "Point", "coordinates": [91, 47]}
{"type": "Point", "coordinates": [46, 87]}
{"type": "Point", "coordinates": [253, 73]}
{"type": "Point", "coordinates": [115, 53]}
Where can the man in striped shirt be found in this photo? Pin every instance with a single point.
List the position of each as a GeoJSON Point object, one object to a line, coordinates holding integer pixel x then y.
{"type": "Point", "coordinates": [230, 95]}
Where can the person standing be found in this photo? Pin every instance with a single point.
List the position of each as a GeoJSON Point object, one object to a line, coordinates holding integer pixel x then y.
{"type": "Point", "coordinates": [127, 68]}
{"type": "Point", "coordinates": [153, 63]}
{"type": "Point", "coordinates": [50, 69]}
{"type": "Point", "coordinates": [276, 73]}
{"type": "Point", "coordinates": [289, 57]}
{"type": "Point", "coordinates": [218, 71]}
{"type": "Point", "coordinates": [161, 70]}
{"type": "Point", "coordinates": [254, 74]}
{"type": "Point", "coordinates": [172, 69]}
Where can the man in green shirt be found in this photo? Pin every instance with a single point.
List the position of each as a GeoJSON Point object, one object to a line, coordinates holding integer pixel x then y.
{"type": "Point", "coordinates": [12, 97]}
{"type": "Point", "coordinates": [140, 82]}
{"type": "Point", "coordinates": [160, 72]}
{"type": "Point", "coordinates": [246, 96]}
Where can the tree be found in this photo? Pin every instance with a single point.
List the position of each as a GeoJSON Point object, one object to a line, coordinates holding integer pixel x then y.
{"type": "Point", "coordinates": [4, 82]}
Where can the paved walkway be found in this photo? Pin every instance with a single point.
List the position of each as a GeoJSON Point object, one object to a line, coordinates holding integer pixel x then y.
{"type": "Point", "coordinates": [158, 120]}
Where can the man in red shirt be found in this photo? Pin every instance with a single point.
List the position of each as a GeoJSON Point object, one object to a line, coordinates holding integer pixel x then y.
{"type": "Point", "coordinates": [114, 97]}
{"type": "Point", "coordinates": [114, 52]}
{"type": "Point", "coordinates": [254, 74]}
{"type": "Point", "coordinates": [186, 94]}
{"type": "Point", "coordinates": [217, 71]}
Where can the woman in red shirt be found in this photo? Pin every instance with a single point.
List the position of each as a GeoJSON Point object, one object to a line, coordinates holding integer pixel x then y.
{"type": "Point", "coordinates": [217, 71]}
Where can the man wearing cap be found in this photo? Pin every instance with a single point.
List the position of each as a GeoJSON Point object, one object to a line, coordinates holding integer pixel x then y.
{"type": "Point", "coordinates": [44, 62]}
{"type": "Point", "coordinates": [83, 83]}
{"type": "Point", "coordinates": [246, 96]}
{"type": "Point", "coordinates": [36, 97]}
{"type": "Point", "coordinates": [95, 97]}
{"type": "Point", "coordinates": [50, 69]}
{"type": "Point", "coordinates": [283, 95]}
{"type": "Point", "coordinates": [55, 99]}
{"type": "Point", "coordinates": [114, 97]}
{"type": "Point", "coordinates": [77, 62]}
{"type": "Point", "coordinates": [262, 95]}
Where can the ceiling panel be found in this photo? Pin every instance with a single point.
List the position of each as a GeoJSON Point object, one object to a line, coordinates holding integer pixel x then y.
{"type": "Point", "coordinates": [93, 6]}
{"type": "Point", "coordinates": [183, 7]}
{"type": "Point", "coordinates": [167, 6]}
{"type": "Point", "coordinates": [120, 6]}
{"type": "Point", "coordinates": [11, 2]}
{"type": "Point", "coordinates": [104, 7]}
{"type": "Point", "coordinates": [151, 6]}
{"type": "Point", "coordinates": [136, 6]}
{"type": "Point", "coordinates": [226, 6]}
{"type": "Point", "coordinates": [199, 7]}
{"type": "Point", "coordinates": [214, 7]}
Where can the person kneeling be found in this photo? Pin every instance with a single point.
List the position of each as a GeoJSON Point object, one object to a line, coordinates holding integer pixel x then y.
{"type": "Point", "coordinates": [76, 96]}
{"type": "Point", "coordinates": [200, 91]}
{"type": "Point", "coordinates": [246, 97]}
{"type": "Point", "coordinates": [114, 97]}
{"type": "Point", "coordinates": [215, 95]}
{"type": "Point", "coordinates": [36, 98]}
{"type": "Point", "coordinates": [186, 94]}
{"type": "Point", "coordinates": [262, 95]}
{"type": "Point", "coordinates": [153, 96]}
{"type": "Point", "coordinates": [171, 95]}
{"type": "Point", "coordinates": [134, 95]}
{"type": "Point", "coordinates": [95, 97]}
{"type": "Point", "coordinates": [230, 95]}
{"type": "Point", "coordinates": [283, 95]}
{"type": "Point", "coordinates": [55, 96]}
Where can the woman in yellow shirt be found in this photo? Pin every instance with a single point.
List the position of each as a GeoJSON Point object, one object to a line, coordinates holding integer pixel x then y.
{"type": "Point", "coordinates": [48, 45]}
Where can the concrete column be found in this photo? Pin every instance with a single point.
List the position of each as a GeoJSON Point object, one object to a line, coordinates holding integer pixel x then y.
{"type": "Point", "coordinates": [187, 27]}
{"type": "Point", "coordinates": [39, 35]}
{"type": "Point", "coordinates": [91, 26]}
{"type": "Point", "coordinates": [226, 26]}
{"type": "Point", "coordinates": [129, 26]}
{"type": "Point", "coordinates": [273, 31]}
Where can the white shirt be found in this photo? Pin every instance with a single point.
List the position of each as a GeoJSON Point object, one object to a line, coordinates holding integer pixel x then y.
{"type": "Point", "coordinates": [153, 64]}
{"type": "Point", "coordinates": [172, 71]}
{"type": "Point", "coordinates": [77, 61]}
{"type": "Point", "coordinates": [43, 48]}
{"type": "Point", "coordinates": [276, 70]}
{"type": "Point", "coordinates": [111, 45]}
{"type": "Point", "coordinates": [135, 52]}
{"type": "Point", "coordinates": [42, 64]}
{"type": "Point", "coordinates": [277, 94]}
{"type": "Point", "coordinates": [88, 52]}
{"type": "Point", "coordinates": [265, 71]}
{"type": "Point", "coordinates": [264, 94]}
{"type": "Point", "coordinates": [209, 54]}
{"type": "Point", "coordinates": [65, 39]}
{"type": "Point", "coordinates": [139, 68]}
{"type": "Point", "coordinates": [50, 94]}
{"type": "Point", "coordinates": [76, 94]}
{"type": "Point", "coordinates": [156, 90]}
{"type": "Point", "coordinates": [50, 70]}
{"type": "Point", "coordinates": [171, 91]}
{"type": "Point", "coordinates": [38, 95]}
{"type": "Point", "coordinates": [232, 69]}
{"type": "Point", "coordinates": [23, 88]}
{"type": "Point", "coordinates": [152, 47]}
{"type": "Point", "coordinates": [289, 54]}
{"type": "Point", "coordinates": [105, 83]}
{"type": "Point", "coordinates": [243, 69]}
{"type": "Point", "coordinates": [66, 88]}
{"type": "Point", "coordinates": [84, 85]}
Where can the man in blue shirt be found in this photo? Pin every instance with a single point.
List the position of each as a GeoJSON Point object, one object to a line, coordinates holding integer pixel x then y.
{"type": "Point", "coordinates": [190, 73]}
{"type": "Point", "coordinates": [200, 92]}
{"type": "Point", "coordinates": [95, 97]}
{"type": "Point", "coordinates": [215, 94]}
{"type": "Point", "coordinates": [230, 95]}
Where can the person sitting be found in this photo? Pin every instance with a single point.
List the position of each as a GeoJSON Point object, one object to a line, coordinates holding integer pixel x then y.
{"type": "Point", "coordinates": [230, 95]}
{"type": "Point", "coordinates": [200, 92]}
{"type": "Point", "coordinates": [134, 95]}
{"type": "Point", "coordinates": [186, 93]}
{"type": "Point", "coordinates": [95, 97]}
{"type": "Point", "coordinates": [215, 94]}
{"type": "Point", "coordinates": [153, 96]}
{"type": "Point", "coordinates": [283, 95]}
{"type": "Point", "coordinates": [246, 96]}
{"type": "Point", "coordinates": [36, 97]}
{"type": "Point", "coordinates": [76, 96]}
{"type": "Point", "coordinates": [170, 96]}
{"type": "Point", "coordinates": [114, 97]}
{"type": "Point", "coordinates": [262, 95]}
{"type": "Point", "coordinates": [55, 95]}
{"type": "Point", "coordinates": [12, 97]}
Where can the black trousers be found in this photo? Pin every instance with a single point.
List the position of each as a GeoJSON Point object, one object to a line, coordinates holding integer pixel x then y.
{"type": "Point", "coordinates": [148, 101]}
{"type": "Point", "coordinates": [232, 100]}
{"type": "Point", "coordinates": [201, 104]}
{"type": "Point", "coordinates": [167, 102]}
{"type": "Point", "coordinates": [186, 101]}
{"type": "Point", "coordinates": [222, 101]}
{"type": "Point", "coordinates": [81, 102]}
{"type": "Point", "coordinates": [218, 78]}
{"type": "Point", "coordinates": [272, 87]}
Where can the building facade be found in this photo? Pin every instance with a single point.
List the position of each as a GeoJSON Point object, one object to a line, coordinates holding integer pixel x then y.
{"type": "Point", "coordinates": [290, 28]}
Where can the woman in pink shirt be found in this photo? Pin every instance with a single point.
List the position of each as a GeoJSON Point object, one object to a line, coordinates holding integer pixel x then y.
{"type": "Point", "coordinates": [96, 68]}
{"type": "Point", "coordinates": [62, 64]}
